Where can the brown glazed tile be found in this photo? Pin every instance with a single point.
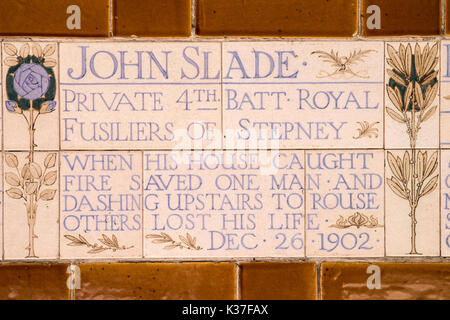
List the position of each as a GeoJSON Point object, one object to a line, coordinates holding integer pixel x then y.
{"type": "Point", "coordinates": [152, 18]}
{"type": "Point", "coordinates": [447, 17]}
{"type": "Point", "coordinates": [34, 282]}
{"type": "Point", "coordinates": [278, 281]}
{"type": "Point", "coordinates": [157, 281]}
{"type": "Point", "coordinates": [397, 281]}
{"type": "Point", "coordinates": [402, 17]}
{"type": "Point", "coordinates": [54, 17]}
{"type": "Point", "coordinates": [318, 18]}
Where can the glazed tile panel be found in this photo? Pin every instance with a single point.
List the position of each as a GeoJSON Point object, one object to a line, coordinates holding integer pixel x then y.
{"type": "Point", "coordinates": [303, 94]}
{"type": "Point", "coordinates": [149, 150]}
{"type": "Point", "coordinates": [344, 203]}
{"type": "Point", "coordinates": [140, 95]}
{"type": "Point", "coordinates": [224, 204]}
{"type": "Point", "coordinates": [101, 204]}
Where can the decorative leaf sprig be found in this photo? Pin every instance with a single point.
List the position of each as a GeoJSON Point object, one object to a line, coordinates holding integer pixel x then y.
{"type": "Point", "coordinates": [412, 89]}
{"type": "Point", "coordinates": [357, 220]}
{"type": "Point", "coordinates": [413, 86]}
{"type": "Point", "coordinates": [342, 64]}
{"type": "Point", "coordinates": [367, 130]}
{"type": "Point", "coordinates": [402, 168]}
{"type": "Point", "coordinates": [31, 178]}
{"type": "Point", "coordinates": [106, 243]}
{"type": "Point", "coordinates": [187, 242]}
{"type": "Point", "coordinates": [17, 56]}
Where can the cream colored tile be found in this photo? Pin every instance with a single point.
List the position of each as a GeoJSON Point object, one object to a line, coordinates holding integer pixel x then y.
{"type": "Point", "coordinates": [412, 217]}
{"type": "Point", "coordinates": [445, 95]}
{"type": "Point", "coordinates": [101, 200]}
{"type": "Point", "coordinates": [31, 205]}
{"type": "Point", "coordinates": [1, 211]}
{"type": "Point", "coordinates": [344, 203]}
{"type": "Point", "coordinates": [303, 94]}
{"type": "Point", "coordinates": [445, 203]}
{"type": "Point", "coordinates": [29, 77]}
{"type": "Point", "coordinates": [407, 127]}
{"type": "Point", "coordinates": [223, 204]}
{"type": "Point", "coordinates": [140, 95]}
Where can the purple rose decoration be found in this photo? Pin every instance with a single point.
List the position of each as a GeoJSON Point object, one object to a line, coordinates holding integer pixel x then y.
{"type": "Point", "coordinates": [12, 106]}
{"type": "Point", "coordinates": [47, 107]}
{"type": "Point", "coordinates": [31, 81]}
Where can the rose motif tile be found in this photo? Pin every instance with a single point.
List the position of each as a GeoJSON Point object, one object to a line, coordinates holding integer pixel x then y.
{"type": "Point", "coordinates": [30, 95]}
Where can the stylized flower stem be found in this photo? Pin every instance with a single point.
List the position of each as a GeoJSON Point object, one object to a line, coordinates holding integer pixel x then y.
{"type": "Point", "coordinates": [31, 208]}
{"type": "Point", "coordinates": [412, 89]}
{"type": "Point", "coordinates": [413, 205]}
{"type": "Point", "coordinates": [30, 87]}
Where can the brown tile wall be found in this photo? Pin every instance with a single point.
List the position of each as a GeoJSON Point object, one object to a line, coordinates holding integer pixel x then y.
{"type": "Point", "coordinates": [397, 281]}
{"type": "Point", "coordinates": [219, 18]}
{"type": "Point", "coordinates": [227, 281]}
{"type": "Point", "coordinates": [403, 17]}
{"type": "Point", "coordinates": [278, 281]}
{"type": "Point", "coordinates": [49, 18]}
{"type": "Point", "coordinates": [291, 18]}
{"type": "Point", "coordinates": [33, 281]}
{"type": "Point", "coordinates": [152, 18]}
{"type": "Point", "coordinates": [161, 281]}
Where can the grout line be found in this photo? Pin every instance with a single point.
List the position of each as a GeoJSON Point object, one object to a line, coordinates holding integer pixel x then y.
{"type": "Point", "coordinates": [443, 16]}
{"type": "Point", "coordinates": [440, 201]}
{"type": "Point", "coordinates": [238, 281]}
{"type": "Point", "coordinates": [142, 150]}
{"type": "Point", "coordinates": [111, 18]}
{"type": "Point", "coordinates": [360, 22]}
{"type": "Point", "coordinates": [305, 237]}
{"type": "Point", "coordinates": [59, 204]}
{"type": "Point", "coordinates": [72, 288]}
{"type": "Point", "coordinates": [193, 18]}
{"type": "Point", "coordinates": [2, 162]}
{"type": "Point", "coordinates": [439, 83]}
{"type": "Point", "coordinates": [222, 131]}
{"type": "Point", "coordinates": [309, 148]}
{"type": "Point", "coordinates": [400, 259]}
{"type": "Point", "coordinates": [319, 287]}
{"type": "Point", "coordinates": [119, 39]}
{"type": "Point", "coordinates": [142, 205]}
{"type": "Point", "coordinates": [58, 86]}
{"type": "Point", "coordinates": [384, 149]}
